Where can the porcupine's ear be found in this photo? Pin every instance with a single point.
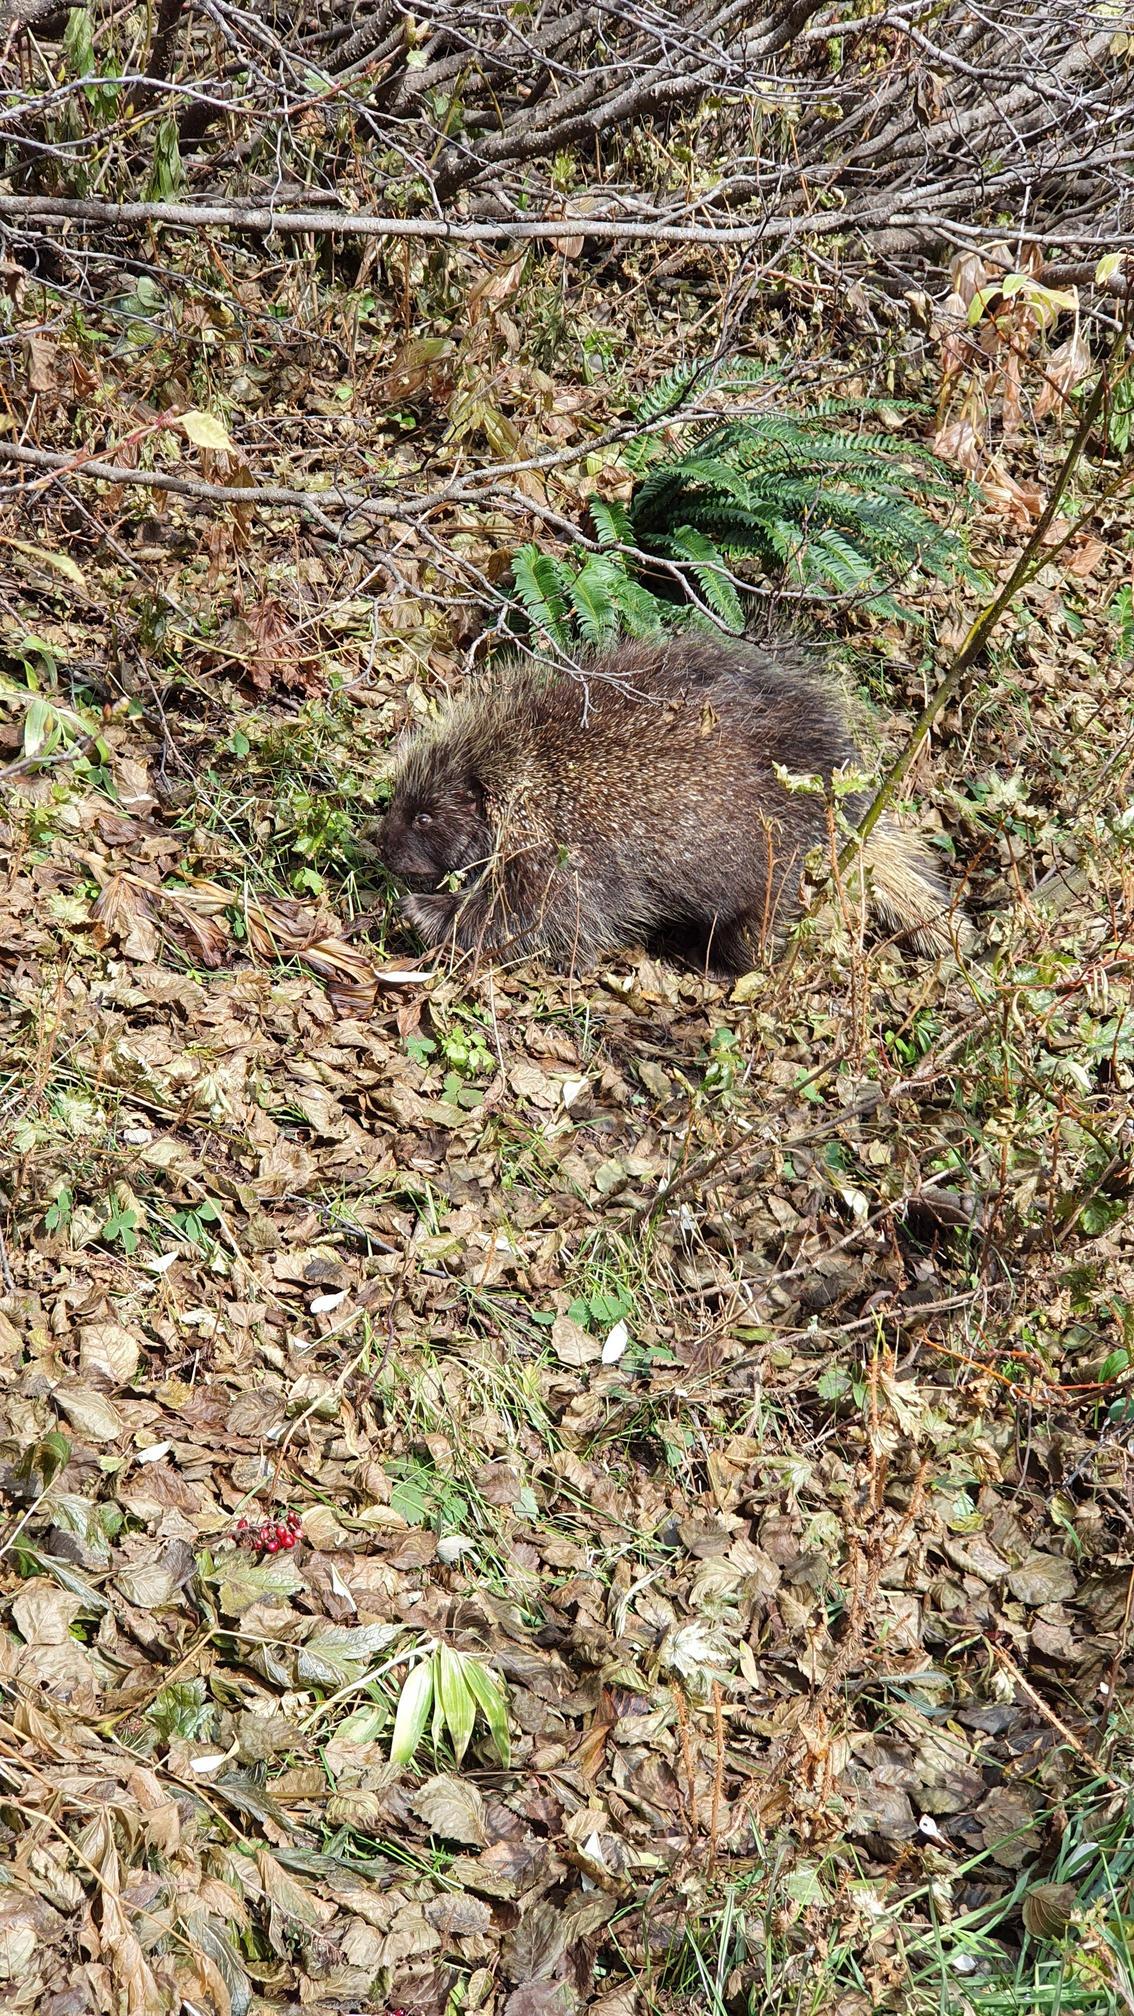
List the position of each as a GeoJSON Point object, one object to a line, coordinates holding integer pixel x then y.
{"type": "Point", "coordinates": [470, 793]}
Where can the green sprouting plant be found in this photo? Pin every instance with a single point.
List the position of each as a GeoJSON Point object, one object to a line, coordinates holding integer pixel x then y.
{"type": "Point", "coordinates": [196, 1222]}
{"type": "Point", "coordinates": [52, 733]}
{"type": "Point", "coordinates": [821, 500]}
{"type": "Point", "coordinates": [122, 1226]}
{"type": "Point", "coordinates": [60, 1211]}
{"type": "Point", "coordinates": [320, 831]}
{"type": "Point", "coordinates": [424, 1496]}
{"type": "Point", "coordinates": [602, 1307]}
{"type": "Point", "coordinates": [453, 1688]}
{"type": "Point", "coordinates": [464, 1051]}
{"type": "Point", "coordinates": [725, 1063]}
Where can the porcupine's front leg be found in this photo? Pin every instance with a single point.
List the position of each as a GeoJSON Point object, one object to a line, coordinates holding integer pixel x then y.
{"type": "Point", "coordinates": [442, 916]}
{"type": "Point", "coordinates": [431, 916]}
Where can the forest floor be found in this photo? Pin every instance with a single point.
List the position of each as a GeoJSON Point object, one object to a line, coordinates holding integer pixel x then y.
{"type": "Point", "coordinates": [736, 1379]}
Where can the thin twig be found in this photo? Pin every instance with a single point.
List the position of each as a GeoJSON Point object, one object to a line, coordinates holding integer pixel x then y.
{"type": "Point", "coordinates": [1056, 1722]}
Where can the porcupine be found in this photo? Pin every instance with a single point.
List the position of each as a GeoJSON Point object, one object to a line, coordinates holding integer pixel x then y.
{"type": "Point", "coordinates": [636, 800]}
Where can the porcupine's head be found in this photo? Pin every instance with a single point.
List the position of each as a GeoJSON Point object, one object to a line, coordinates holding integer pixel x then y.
{"type": "Point", "coordinates": [437, 824]}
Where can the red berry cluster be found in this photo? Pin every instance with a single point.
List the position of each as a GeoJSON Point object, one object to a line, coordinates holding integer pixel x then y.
{"type": "Point", "coordinates": [271, 1536]}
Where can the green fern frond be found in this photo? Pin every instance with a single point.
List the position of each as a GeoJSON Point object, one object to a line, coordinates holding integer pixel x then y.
{"type": "Point", "coordinates": [785, 536]}
{"type": "Point", "coordinates": [829, 559]}
{"type": "Point", "coordinates": [707, 564]}
{"type": "Point", "coordinates": [738, 531]}
{"type": "Point", "coordinates": [642, 613]}
{"type": "Point", "coordinates": [710, 473]}
{"type": "Point", "coordinates": [541, 584]}
{"type": "Point", "coordinates": [611, 522]}
{"type": "Point", "coordinates": [825, 498]}
{"type": "Point", "coordinates": [592, 599]}
{"type": "Point", "coordinates": [672, 391]}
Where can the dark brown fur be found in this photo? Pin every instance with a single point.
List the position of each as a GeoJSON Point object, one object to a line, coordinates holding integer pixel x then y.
{"type": "Point", "coordinates": [569, 815]}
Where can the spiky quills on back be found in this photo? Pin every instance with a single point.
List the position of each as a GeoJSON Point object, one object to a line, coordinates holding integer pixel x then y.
{"type": "Point", "coordinates": [497, 728]}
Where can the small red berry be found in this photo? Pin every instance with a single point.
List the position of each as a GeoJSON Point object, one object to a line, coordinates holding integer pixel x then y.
{"type": "Point", "coordinates": [271, 1546]}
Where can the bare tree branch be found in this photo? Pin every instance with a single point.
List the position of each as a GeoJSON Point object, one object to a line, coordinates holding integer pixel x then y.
{"type": "Point", "coordinates": [933, 120]}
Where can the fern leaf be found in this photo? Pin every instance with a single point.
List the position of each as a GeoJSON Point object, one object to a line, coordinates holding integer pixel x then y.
{"type": "Point", "coordinates": [642, 614]}
{"type": "Point", "coordinates": [785, 536]}
{"type": "Point", "coordinates": [829, 559]}
{"type": "Point", "coordinates": [827, 497]}
{"type": "Point", "coordinates": [611, 522]}
{"type": "Point", "coordinates": [707, 563]}
{"type": "Point", "coordinates": [541, 584]}
{"type": "Point", "coordinates": [653, 495]}
{"type": "Point", "coordinates": [672, 391]}
{"type": "Point", "coordinates": [590, 598]}
{"type": "Point", "coordinates": [739, 532]}
{"type": "Point", "coordinates": [713, 473]}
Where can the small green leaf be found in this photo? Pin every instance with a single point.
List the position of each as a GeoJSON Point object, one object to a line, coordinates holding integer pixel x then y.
{"type": "Point", "coordinates": [832, 1383]}
{"type": "Point", "coordinates": [241, 1581]}
{"type": "Point", "coordinates": [1047, 299]}
{"type": "Point", "coordinates": [42, 730]}
{"type": "Point", "coordinates": [62, 562]}
{"type": "Point", "coordinates": [78, 42]}
{"type": "Point", "coordinates": [363, 1726]}
{"type": "Point", "coordinates": [167, 172]}
{"type": "Point", "coordinates": [1100, 1214]}
{"type": "Point", "coordinates": [457, 1701]}
{"type": "Point", "coordinates": [410, 1499]}
{"type": "Point", "coordinates": [492, 1702]}
{"type": "Point", "coordinates": [59, 1212]}
{"type": "Point", "coordinates": [54, 1455]}
{"type": "Point", "coordinates": [414, 1703]}
{"type": "Point", "coordinates": [122, 1225]}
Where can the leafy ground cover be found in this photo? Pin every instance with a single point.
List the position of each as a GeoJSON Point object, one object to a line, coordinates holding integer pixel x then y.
{"type": "Point", "coordinates": [524, 1494]}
